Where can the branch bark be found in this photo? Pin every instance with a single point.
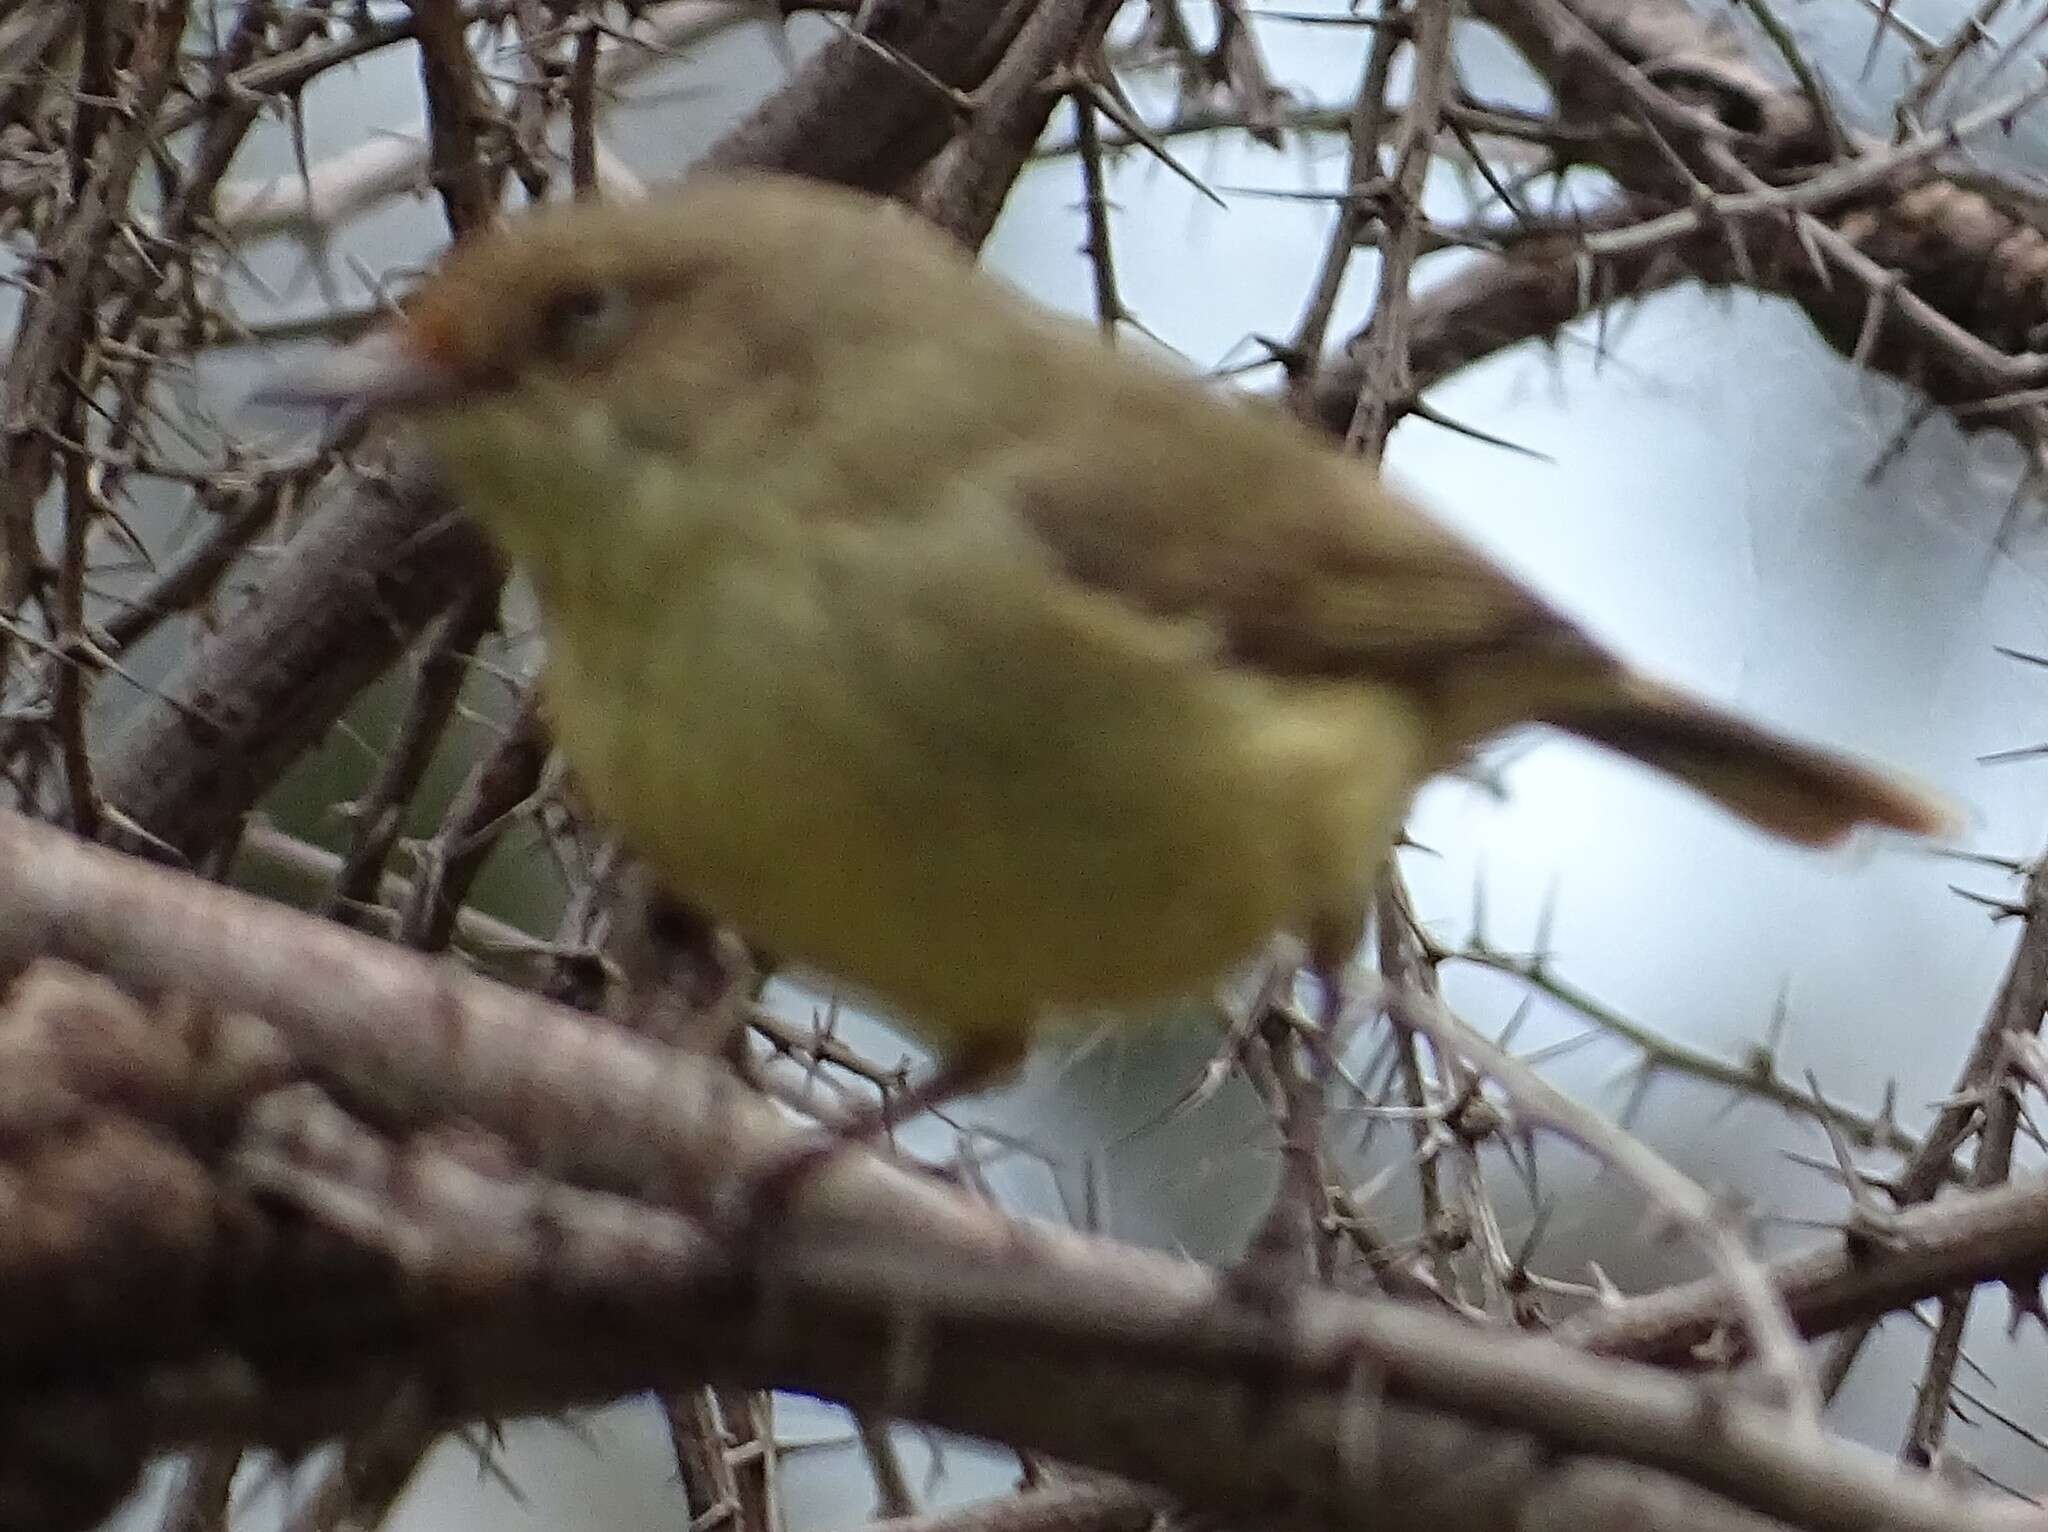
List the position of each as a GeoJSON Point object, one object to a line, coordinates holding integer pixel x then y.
{"type": "Point", "coordinates": [884, 1290]}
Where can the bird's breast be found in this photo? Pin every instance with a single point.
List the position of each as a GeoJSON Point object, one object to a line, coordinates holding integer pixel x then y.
{"type": "Point", "coordinates": [910, 753]}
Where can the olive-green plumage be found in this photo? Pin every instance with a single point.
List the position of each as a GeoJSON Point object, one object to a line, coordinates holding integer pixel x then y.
{"type": "Point", "coordinates": [942, 648]}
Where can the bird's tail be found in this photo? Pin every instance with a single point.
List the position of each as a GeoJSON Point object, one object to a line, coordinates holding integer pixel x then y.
{"type": "Point", "coordinates": [1806, 795]}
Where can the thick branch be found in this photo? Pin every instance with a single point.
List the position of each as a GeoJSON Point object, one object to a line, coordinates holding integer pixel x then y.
{"type": "Point", "coordinates": [1921, 278]}
{"type": "Point", "coordinates": [882, 1289]}
{"type": "Point", "coordinates": [869, 111]}
{"type": "Point", "coordinates": [347, 597]}
{"type": "Point", "coordinates": [1956, 1242]}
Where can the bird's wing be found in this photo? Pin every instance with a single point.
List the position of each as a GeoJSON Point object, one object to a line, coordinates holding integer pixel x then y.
{"type": "Point", "coordinates": [1302, 562]}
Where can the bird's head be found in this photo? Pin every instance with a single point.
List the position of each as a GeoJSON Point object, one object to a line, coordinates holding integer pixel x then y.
{"type": "Point", "coordinates": [662, 307]}
{"type": "Point", "coordinates": [563, 365]}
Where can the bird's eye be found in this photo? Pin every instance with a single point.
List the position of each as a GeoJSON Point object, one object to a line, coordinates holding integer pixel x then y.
{"type": "Point", "coordinates": [584, 322]}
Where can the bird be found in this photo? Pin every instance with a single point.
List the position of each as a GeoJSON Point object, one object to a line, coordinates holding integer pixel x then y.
{"type": "Point", "coordinates": [997, 673]}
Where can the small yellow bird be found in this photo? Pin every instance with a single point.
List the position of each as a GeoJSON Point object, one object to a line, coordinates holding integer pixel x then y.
{"type": "Point", "coordinates": [938, 646]}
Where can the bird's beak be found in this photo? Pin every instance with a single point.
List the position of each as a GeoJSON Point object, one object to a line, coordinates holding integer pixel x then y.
{"type": "Point", "coordinates": [385, 372]}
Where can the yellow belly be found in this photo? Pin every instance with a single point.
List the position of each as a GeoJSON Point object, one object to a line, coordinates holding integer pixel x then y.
{"type": "Point", "coordinates": [965, 786]}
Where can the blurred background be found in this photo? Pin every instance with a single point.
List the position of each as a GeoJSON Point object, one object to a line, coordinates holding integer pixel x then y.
{"type": "Point", "coordinates": [1695, 474]}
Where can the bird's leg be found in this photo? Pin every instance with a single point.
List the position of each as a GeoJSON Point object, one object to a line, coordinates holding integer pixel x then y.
{"type": "Point", "coordinates": [686, 977]}
{"type": "Point", "coordinates": [771, 1191]}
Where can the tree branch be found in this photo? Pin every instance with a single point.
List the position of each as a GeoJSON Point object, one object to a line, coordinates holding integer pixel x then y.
{"type": "Point", "coordinates": [884, 1290]}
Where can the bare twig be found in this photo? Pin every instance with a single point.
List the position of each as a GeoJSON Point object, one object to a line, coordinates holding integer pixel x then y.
{"type": "Point", "coordinates": [2016, 1012]}
{"type": "Point", "coordinates": [380, 816]}
{"type": "Point", "coordinates": [1894, 168]}
{"type": "Point", "coordinates": [502, 780]}
{"type": "Point", "coordinates": [1386, 386]}
{"type": "Point", "coordinates": [1755, 1074]}
{"type": "Point", "coordinates": [1538, 1104]}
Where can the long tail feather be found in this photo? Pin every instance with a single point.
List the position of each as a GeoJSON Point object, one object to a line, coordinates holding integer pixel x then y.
{"type": "Point", "coordinates": [1807, 795]}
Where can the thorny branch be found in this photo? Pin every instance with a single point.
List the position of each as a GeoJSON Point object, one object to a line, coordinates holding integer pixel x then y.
{"type": "Point", "coordinates": [250, 1130]}
{"type": "Point", "coordinates": [607, 1256]}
